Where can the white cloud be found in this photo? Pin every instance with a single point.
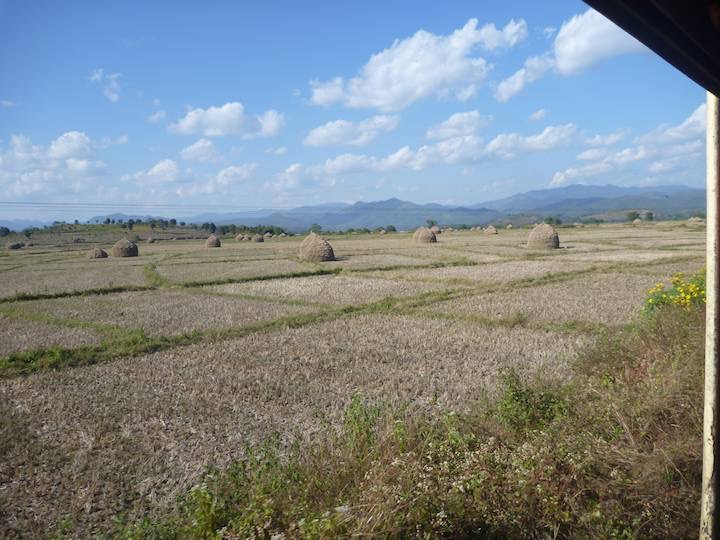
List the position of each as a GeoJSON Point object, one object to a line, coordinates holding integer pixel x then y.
{"type": "Point", "coordinates": [660, 151]}
{"type": "Point", "coordinates": [110, 83]}
{"type": "Point", "coordinates": [592, 154]}
{"type": "Point", "coordinates": [420, 67]}
{"type": "Point", "coordinates": [201, 151]}
{"type": "Point", "coordinates": [165, 171]}
{"type": "Point", "coordinates": [538, 115]}
{"type": "Point", "coordinates": [279, 151]}
{"type": "Point", "coordinates": [287, 179]}
{"type": "Point", "coordinates": [66, 165]}
{"type": "Point", "coordinates": [607, 140]}
{"type": "Point", "coordinates": [235, 173]}
{"type": "Point", "coordinates": [229, 119]}
{"type": "Point", "coordinates": [7, 104]}
{"type": "Point", "coordinates": [508, 145]}
{"type": "Point", "coordinates": [156, 117]}
{"type": "Point", "coordinates": [343, 132]}
{"type": "Point", "coordinates": [70, 144]}
{"type": "Point", "coordinates": [463, 123]}
{"type": "Point", "coordinates": [549, 31]}
{"type": "Point", "coordinates": [582, 42]}
{"type": "Point", "coordinates": [588, 39]}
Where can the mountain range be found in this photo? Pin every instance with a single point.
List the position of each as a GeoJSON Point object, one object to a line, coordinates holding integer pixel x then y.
{"type": "Point", "coordinates": [570, 203]}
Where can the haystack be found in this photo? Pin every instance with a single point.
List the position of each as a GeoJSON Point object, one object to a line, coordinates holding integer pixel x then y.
{"type": "Point", "coordinates": [490, 230]}
{"type": "Point", "coordinates": [258, 238]}
{"type": "Point", "coordinates": [543, 236]}
{"type": "Point", "coordinates": [424, 235]}
{"type": "Point", "coordinates": [150, 240]}
{"type": "Point", "coordinates": [97, 253]}
{"type": "Point", "coordinates": [434, 229]}
{"type": "Point", "coordinates": [637, 221]}
{"type": "Point", "coordinates": [212, 241]}
{"type": "Point", "coordinates": [509, 226]}
{"type": "Point", "coordinates": [316, 249]}
{"type": "Point", "coordinates": [282, 235]}
{"type": "Point", "coordinates": [240, 237]}
{"type": "Point", "coordinates": [382, 231]}
{"type": "Point", "coordinates": [15, 245]}
{"type": "Point", "coordinates": [125, 248]}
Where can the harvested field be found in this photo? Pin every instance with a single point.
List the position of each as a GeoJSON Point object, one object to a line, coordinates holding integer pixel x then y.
{"type": "Point", "coordinates": [427, 325]}
{"type": "Point", "coordinates": [161, 312]}
{"type": "Point", "coordinates": [339, 289]}
{"type": "Point", "coordinates": [609, 299]}
{"type": "Point", "coordinates": [19, 335]}
{"type": "Point", "coordinates": [165, 416]}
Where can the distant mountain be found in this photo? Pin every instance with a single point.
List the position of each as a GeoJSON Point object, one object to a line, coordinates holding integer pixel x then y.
{"type": "Point", "coordinates": [20, 224]}
{"type": "Point", "coordinates": [570, 203]}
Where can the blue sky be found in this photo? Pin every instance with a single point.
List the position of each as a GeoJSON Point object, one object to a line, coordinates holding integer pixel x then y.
{"type": "Point", "coordinates": [278, 104]}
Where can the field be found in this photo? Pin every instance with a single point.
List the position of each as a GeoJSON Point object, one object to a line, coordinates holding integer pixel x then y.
{"type": "Point", "coordinates": [122, 380]}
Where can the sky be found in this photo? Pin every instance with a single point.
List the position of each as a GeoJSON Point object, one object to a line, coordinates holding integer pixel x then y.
{"type": "Point", "coordinates": [189, 105]}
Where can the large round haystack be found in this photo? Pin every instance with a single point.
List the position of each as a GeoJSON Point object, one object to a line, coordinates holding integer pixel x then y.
{"type": "Point", "coordinates": [16, 245]}
{"type": "Point", "coordinates": [435, 229]}
{"type": "Point", "coordinates": [424, 235]}
{"type": "Point", "coordinates": [490, 230]}
{"type": "Point", "coordinates": [97, 253]}
{"type": "Point", "coordinates": [543, 236]}
{"type": "Point", "coordinates": [316, 249]}
{"type": "Point", "coordinates": [212, 241]}
{"type": "Point", "coordinates": [125, 248]}
{"type": "Point", "coordinates": [282, 235]}
{"type": "Point", "coordinates": [258, 238]}
{"type": "Point", "coordinates": [240, 237]}
{"type": "Point", "coordinates": [509, 226]}
{"type": "Point", "coordinates": [382, 231]}
{"type": "Point", "coordinates": [637, 221]}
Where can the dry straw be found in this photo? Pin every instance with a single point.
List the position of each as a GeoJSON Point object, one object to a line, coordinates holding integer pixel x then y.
{"type": "Point", "coordinates": [258, 238]}
{"type": "Point", "coordinates": [125, 248]}
{"type": "Point", "coordinates": [97, 253]}
{"type": "Point", "coordinates": [424, 235]}
{"type": "Point", "coordinates": [543, 236]}
{"type": "Point", "coordinates": [316, 249]}
{"type": "Point", "coordinates": [490, 229]}
{"type": "Point", "coordinates": [212, 242]}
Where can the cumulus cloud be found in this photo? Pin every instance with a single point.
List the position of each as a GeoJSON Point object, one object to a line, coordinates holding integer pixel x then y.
{"type": "Point", "coordinates": [67, 164]}
{"type": "Point", "coordinates": [110, 83]}
{"type": "Point", "coordinates": [229, 119]}
{"type": "Point", "coordinates": [419, 67]}
{"type": "Point", "coordinates": [582, 42]}
{"type": "Point", "coordinates": [607, 140]}
{"type": "Point", "coordinates": [165, 171]}
{"type": "Point", "coordinates": [278, 151]}
{"type": "Point", "coordinates": [459, 124]}
{"type": "Point", "coordinates": [662, 150]}
{"type": "Point", "coordinates": [538, 115]}
{"type": "Point", "coordinates": [156, 117]}
{"type": "Point", "coordinates": [235, 173]}
{"type": "Point", "coordinates": [509, 145]}
{"type": "Point", "coordinates": [201, 151]}
{"type": "Point", "coordinates": [343, 132]}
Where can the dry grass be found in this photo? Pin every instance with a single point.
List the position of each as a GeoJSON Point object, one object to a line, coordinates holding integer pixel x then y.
{"type": "Point", "coordinates": [161, 312]}
{"type": "Point", "coordinates": [334, 289]}
{"type": "Point", "coordinates": [19, 335]}
{"type": "Point", "coordinates": [609, 299]}
{"type": "Point", "coordinates": [132, 434]}
{"type": "Point", "coordinates": [183, 273]}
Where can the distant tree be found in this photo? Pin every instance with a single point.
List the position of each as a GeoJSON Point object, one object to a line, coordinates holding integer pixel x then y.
{"type": "Point", "coordinates": [173, 222]}
{"type": "Point", "coordinates": [107, 221]}
{"type": "Point", "coordinates": [390, 228]}
{"type": "Point", "coordinates": [4, 231]}
{"type": "Point", "coordinates": [182, 223]}
{"type": "Point", "coordinates": [431, 222]}
{"type": "Point", "coordinates": [212, 228]}
{"type": "Point", "coordinates": [649, 216]}
{"type": "Point", "coordinates": [76, 222]}
{"type": "Point", "coordinates": [632, 216]}
{"type": "Point", "coordinates": [315, 228]}
{"type": "Point", "coordinates": [552, 220]}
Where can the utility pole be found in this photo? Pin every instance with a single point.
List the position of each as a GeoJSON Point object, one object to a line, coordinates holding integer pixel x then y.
{"type": "Point", "coordinates": [710, 509]}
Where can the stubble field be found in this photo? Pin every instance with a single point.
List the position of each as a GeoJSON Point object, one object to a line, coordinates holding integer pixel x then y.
{"type": "Point", "coordinates": [121, 380]}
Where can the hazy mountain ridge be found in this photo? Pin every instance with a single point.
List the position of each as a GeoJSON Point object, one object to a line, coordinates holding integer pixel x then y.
{"type": "Point", "coordinates": [570, 203]}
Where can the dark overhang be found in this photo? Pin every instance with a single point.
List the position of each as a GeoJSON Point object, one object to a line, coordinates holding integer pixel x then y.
{"type": "Point", "coordinates": [686, 33]}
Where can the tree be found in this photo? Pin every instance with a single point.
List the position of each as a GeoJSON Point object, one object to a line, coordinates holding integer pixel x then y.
{"type": "Point", "coordinates": [649, 216]}
{"type": "Point", "coordinates": [4, 231]}
{"type": "Point", "coordinates": [212, 228]}
{"type": "Point", "coordinates": [315, 228]}
{"type": "Point", "coordinates": [390, 228]}
{"type": "Point", "coordinates": [431, 222]}
{"type": "Point", "coordinates": [173, 222]}
{"type": "Point", "coordinates": [632, 216]}
{"type": "Point", "coordinates": [552, 220]}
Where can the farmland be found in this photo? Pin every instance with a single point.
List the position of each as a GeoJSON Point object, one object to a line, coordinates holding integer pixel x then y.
{"type": "Point", "coordinates": [123, 379]}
